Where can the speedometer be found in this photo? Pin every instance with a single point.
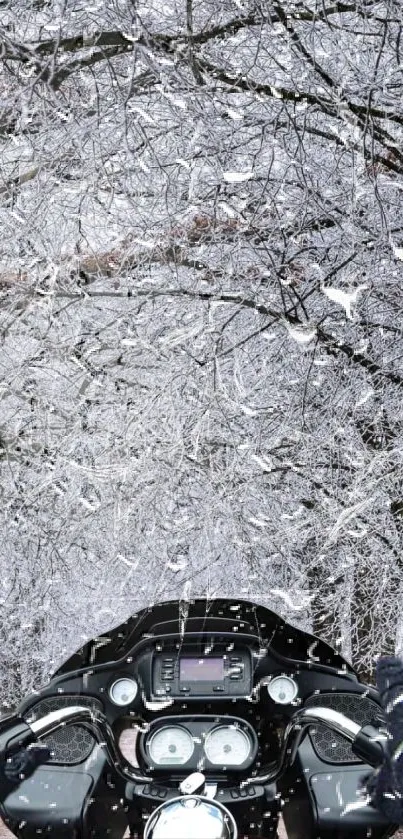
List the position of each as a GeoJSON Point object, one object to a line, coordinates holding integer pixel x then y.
{"type": "Point", "coordinates": [170, 745]}
{"type": "Point", "coordinates": [227, 745]}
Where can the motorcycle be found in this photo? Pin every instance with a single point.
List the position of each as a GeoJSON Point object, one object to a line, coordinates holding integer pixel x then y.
{"type": "Point", "coordinates": [234, 717]}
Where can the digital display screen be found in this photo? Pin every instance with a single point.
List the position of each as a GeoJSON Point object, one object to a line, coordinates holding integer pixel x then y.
{"type": "Point", "coordinates": [201, 670]}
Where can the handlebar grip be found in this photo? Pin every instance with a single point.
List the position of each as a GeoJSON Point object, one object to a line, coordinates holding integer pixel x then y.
{"type": "Point", "coordinates": [15, 736]}
{"type": "Point", "coordinates": [15, 733]}
{"type": "Point", "coordinates": [370, 745]}
{"type": "Point", "coordinates": [22, 763]}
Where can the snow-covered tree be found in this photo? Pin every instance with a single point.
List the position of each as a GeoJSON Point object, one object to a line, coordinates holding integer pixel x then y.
{"type": "Point", "coordinates": [201, 303]}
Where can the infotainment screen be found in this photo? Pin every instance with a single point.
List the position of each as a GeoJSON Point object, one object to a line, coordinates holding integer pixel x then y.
{"type": "Point", "coordinates": [201, 670]}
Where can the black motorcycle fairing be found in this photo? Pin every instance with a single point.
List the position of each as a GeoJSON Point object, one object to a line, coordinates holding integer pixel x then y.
{"type": "Point", "coordinates": [201, 615]}
{"type": "Point", "coordinates": [179, 632]}
{"type": "Point", "coordinates": [274, 647]}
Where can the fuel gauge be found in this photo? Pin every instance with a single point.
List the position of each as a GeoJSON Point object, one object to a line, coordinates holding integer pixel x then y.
{"type": "Point", "coordinates": [123, 691]}
{"type": "Point", "coordinates": [282, 690]}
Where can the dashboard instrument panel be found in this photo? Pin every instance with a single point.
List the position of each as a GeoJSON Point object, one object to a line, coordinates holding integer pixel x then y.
{"type": "Point", "coordinates": [198, 742]}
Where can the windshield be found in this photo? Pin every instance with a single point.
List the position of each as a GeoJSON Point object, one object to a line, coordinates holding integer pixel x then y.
{"type": "Point", "coordinates": [202, 615]}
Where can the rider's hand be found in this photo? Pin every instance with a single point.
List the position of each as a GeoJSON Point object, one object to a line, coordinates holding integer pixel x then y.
{"type": "Point", "coordinates": [22, 763]}
{"type": "Point", "coordinates": [385, 786]}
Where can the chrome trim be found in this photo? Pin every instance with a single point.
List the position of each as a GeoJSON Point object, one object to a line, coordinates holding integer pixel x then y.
{"type": "Point", "coordinates": [100, 729]}
{"type": "Point", "coordinates": [56, 719]}
{"type": "Point", "coordinates": [296, 730]}
{"type": "Point", "coordinates": [206, 818]}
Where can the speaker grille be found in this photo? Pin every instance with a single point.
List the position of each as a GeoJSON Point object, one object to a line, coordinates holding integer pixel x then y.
{"type": "Point", "coordinates": [71, 744]}
{"type": "Point", "coordinates": [330, 746]}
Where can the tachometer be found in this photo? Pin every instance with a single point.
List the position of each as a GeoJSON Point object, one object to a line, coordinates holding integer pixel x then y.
{"type": "Point", "coordinates": [170, 745]}
{"type": "Point", "coordinates": [227, 745]}
{"type": "Point", "coordinates": [282, 689]}
{"type": "Point", "coordinates": [123, 691]}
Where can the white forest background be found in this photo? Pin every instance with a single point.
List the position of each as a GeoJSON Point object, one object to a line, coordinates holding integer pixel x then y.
{"type": "Point", "coordinates": [201, 370]}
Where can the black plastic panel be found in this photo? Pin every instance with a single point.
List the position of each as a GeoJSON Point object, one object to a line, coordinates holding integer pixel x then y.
{"type": "Point", "coordinates": [321, 802]}
{"type": "Point", "coordinates": [49, 803]}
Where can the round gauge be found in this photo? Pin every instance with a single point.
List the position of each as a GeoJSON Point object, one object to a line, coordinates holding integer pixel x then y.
{"type": "Point", "coordinates": [123, 691]}
{"type": "Point", "coordinates": [282, 690]}
{"type": "Point", "coordinates": [227, 746]}
{"type": "Point", "coordinates": [170, 745]}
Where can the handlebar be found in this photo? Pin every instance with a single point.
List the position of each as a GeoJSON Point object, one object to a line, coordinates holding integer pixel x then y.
{"type": "Point", "coordinates": [99, 727]}
{"type": "Point", "coordinates": [368, 743]}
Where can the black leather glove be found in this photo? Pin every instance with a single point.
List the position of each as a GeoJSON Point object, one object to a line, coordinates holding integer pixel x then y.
{"type": "Point", "coordinates": [22, 763]}
{"type": "Point", "coordinates": [385, 786]}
